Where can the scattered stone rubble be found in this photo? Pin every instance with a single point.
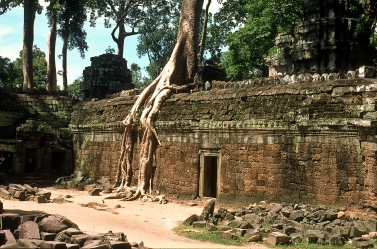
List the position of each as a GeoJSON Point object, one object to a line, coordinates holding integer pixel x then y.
{"type": "Point", "coordinates": [80, 181]}
{"type": "Point", "coordinates": [55, 232]}
{"type": "Point", "coordinates": [284, 224]}
{"type": "Point", "coordinates": [25, 193]}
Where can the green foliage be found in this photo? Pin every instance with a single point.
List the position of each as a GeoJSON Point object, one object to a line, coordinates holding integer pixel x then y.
{"type": "Point", "coordinates": [39, 69]}
{"type": "Point", "coordinates": [255, 25]}
{"type": "Point", "coordinates": [6, 5]}
{"type": "Point", "coordinates": [70, 17]}
{"type": "Point", "coordinates": [110, 50]}
{"type": "Point", "coordinates": [74, 89]}
{"type": "Point", "coordinates": [158, 36]}
{"type": "Point", "coordinates": [203, 234]}
{"type": "Point", "coordinates": [6, 72]}
{"type": "Point", "coordinates": [137, 79]}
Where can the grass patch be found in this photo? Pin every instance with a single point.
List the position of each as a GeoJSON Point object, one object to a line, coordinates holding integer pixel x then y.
{"type": "Point", "coordinates": [203, 234]}
{"type": "Point", "coordinates": [304, 245]}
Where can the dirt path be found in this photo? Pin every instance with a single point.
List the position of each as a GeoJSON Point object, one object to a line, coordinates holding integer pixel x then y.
{"type": "Point", "coordinates": [149, 222]}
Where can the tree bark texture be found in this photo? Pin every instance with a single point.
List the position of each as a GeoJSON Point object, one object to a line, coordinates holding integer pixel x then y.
{"type": "Point", "coordinates": [28, 39]}
{"type": "Point", "coordinates": [179, 73]}
{"type": "Point", "coordinates": [204, 33]}
{"type": "Point", "coordinates": [64, 62]}
{"type": "Point", "coordinates": [51, 63]}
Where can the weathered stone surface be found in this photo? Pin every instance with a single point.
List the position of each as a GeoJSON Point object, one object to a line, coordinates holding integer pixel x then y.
{"type": "Point", "coordinates": [48, 236]}
{"type": "Point", "coordinates": [53, 245]}
{"type": "Point", "coordinates": [29, 230]}
{"type": "Point", "coordinates": [120, 245]}
{"type": "Point", "coordinates": [95, 192]}
{"type": "Point", "coordinates": [362, 243]}
{"type": "Point", "coordinates": [52, 225]}
{"type": "Point", "coordinates": [40, 199]}
{"type": "Point", "coordinates": [277, 238]}
{"type": "Point", "coordinates": [190, 220]}
{"type": "Point", "coordinates": [199, 224]}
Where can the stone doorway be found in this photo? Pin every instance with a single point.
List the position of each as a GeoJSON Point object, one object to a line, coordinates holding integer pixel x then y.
{"type": "Point", "coordinates": [30, 160]}
{"type": "Point", "coordinates": [58, 162]}
{"type": "Point", "coordinates": [6, 160]}
{"type": "Point", "coordinates": [209, 184]}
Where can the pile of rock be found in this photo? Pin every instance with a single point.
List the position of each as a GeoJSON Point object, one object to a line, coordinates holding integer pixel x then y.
{"type": "Point", "coordinates": [55, 232]}
{"type": "Point", "coordinates": [24, 193]}
{"type": "Point", "coordinates": [80, 181]}
{"type": "Point", "coordinates": [286, 224]}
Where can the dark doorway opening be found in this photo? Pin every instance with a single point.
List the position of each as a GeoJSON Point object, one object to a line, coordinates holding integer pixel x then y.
{"type": "Point", "coordinates": [6, 161]}
{"type": "Point", "coordinates": [210, 176]}
{"type": "Point", "coordinates": [30, 160]}
{"type": "Point", "coordinates": [58, 162]}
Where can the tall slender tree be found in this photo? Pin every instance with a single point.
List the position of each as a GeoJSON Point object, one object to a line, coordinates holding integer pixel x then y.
{"type": "Point", "coordinates": [70, 18]}
{"type": "Point", "coordinates": [31, 7]}
{"type": "Point", "coordinates": [51, 46]}
{"type": "Point", "coordinates": [125, 13]}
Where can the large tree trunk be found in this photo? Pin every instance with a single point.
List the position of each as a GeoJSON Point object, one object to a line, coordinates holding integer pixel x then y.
{"type": "Point", "coordinates": [204, 33]}
{"type": "Point", "coordinates": [64, 65]}
{"type": "Point", "coordinates": [27, 55]}
{"type": "Point", "coordinates": [51, 64]}
{"type": "Point", "coordinates": [180, 72]}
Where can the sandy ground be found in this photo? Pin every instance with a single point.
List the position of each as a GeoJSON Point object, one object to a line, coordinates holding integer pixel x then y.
{"type": "Point", "coordinates": [149, 222]}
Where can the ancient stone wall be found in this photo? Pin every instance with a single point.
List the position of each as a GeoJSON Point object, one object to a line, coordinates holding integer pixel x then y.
{"type": "Point", "coordinates": [307, 142]}
{"type": "Point", "coordinates": [32, 128]}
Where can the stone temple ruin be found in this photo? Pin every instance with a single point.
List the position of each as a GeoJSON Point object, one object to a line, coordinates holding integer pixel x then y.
{"type": "Point", "coordinates": [311, 139]}
{"type": "Point", "coordinates": [108, 74]}
{"type": "Point", "coordinates": [322, 41]}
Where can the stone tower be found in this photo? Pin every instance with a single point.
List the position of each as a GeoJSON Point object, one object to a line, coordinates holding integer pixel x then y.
{"type": "Point", "coordinates": [107, 74]}
{"type": "Point", "coordinates": [322, 41]}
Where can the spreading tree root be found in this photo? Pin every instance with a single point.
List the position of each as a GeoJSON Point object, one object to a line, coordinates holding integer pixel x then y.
{"type": "Point", "coordinates": [149, 141]}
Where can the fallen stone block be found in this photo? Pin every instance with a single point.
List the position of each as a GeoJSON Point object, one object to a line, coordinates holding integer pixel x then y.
{"type": "Point", "coordinates": [120, 245]}
{"type": "Point", "coordinates": [25, 243]}
{"type": "Point", "coordinates": [278, 238]}
{"type": "Point", "coordinates": [362, 243]}
{"type": "Point", "coordinates": [211, 227]}
{"type": "Point", "coordinates": [46, 194]}
{"type": "Point", "coordinates": [229, 235]}
{"type": "Point", "coordinates": [313, 236]}
{"type": "Point", "coordinates": [40, 199]}
{"type": "Point", "coordinates": [10, 221]}
{"type": "Point", "coordinates": [30, 189]}
{"type": "Point", "coordinates": [253, 235]}
{"type": "Point", "coordinates": [36, 242]}
{"type": "Point", "coordinates": [29, 230]}
{"type": "Point", "coordinates": [199, 224]}
{"type": "Point", "coordinates": [95, 192]}
{"type": "Point", "coordinates": [89, 187]}
{"type": "Point", "coordinates": [20, 195]}
{"type": "Point", "coordinates": [48, 236]}
{"type": "Point", "coordinates": [79, 239]}
{"type": "Point", "coordinates": [223, 227]}
{"type": "Point", "coordinates": [5, 194]}
{"type": "Point", "coordinates": [239, 231]}
{"type": "Point", "coordinates": [52, 225]}
{"type": "Point", "coordinates": [209, 208]}
{"type": "Point", "coordinates": [58, 200]}
{"type": "Point", "coordinates": [17, 186]}
{"type": "Point", "coordinates": [336, 240]}
{"type": "Point", "coordinates": [9, 238]}
{"type": "Point", "coordinates": [72, 246]}
{"type": "Point", "coordinates": [53, 245]}
{"type": "Point", "coordinates": [372, 225]}
{"type": "Point", "coordinates": [296, 238]}
{"type": "Point", "coordinates": [190, 220]}
{"type": "Point", "coordinates": [66, 221]}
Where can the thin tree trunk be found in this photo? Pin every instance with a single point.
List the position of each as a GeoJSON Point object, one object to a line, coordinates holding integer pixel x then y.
{"type": "Point", "coordinates": [51, 63]}
{"type": "Point", "coordinates": [204, 33]}
{"type": "Point", "coordinates": [179, 73]}
{"type": "Point", "coordinates": [27, 55]}
{"type": "Point", "coordinates": [120, 41]}
{"type": "Point", "coordinates": [64, 65]}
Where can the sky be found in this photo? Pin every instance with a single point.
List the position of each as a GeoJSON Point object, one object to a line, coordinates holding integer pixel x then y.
{"type": "Point", "coordinates": [98, 39]}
